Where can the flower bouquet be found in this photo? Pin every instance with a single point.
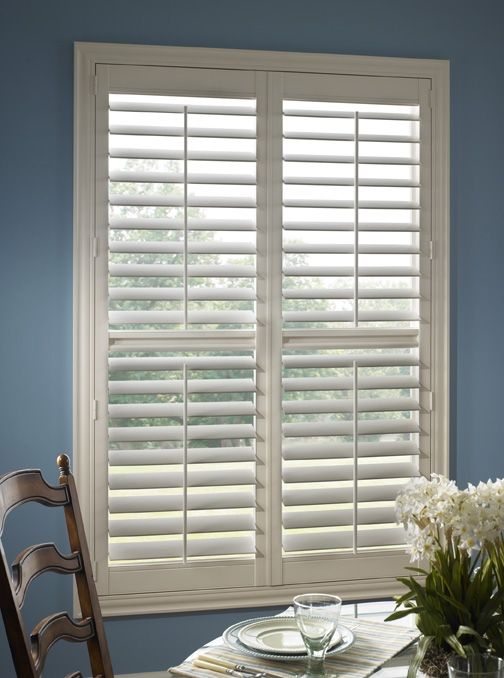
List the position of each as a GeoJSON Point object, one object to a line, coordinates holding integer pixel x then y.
{"type": "Point", "coordinates": [458, 593]}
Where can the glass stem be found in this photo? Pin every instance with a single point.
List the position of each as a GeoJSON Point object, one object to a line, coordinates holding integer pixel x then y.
{"type": "Point", "coordinates": [316, 661]}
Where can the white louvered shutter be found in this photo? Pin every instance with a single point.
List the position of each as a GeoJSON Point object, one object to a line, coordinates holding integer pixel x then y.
{"type": "Point", "coordinates": [182, 258]}
{"type": "Point", "coordinates": [262, 327]}
{"type": "Point", "coordinates": [351, 267]}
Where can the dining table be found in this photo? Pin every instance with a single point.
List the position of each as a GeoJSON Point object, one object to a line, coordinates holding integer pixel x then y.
{"type": "Point", "coordinates": [354, 616]}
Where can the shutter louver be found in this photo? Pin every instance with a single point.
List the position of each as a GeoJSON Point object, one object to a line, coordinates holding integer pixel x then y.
{"type": "Point", "coordinates": [351, 260]}
{"type": "Point", "coordinates": [182, 256]}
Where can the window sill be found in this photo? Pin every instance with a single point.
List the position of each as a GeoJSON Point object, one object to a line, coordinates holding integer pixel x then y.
{"type": "Point", "coordinates": [187, 601]}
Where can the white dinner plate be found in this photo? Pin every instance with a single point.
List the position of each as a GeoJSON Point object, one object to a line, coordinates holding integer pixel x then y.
{"type": "Point", "coordinates": [279, 635]}
{"type": "Point", "coordinates": [231, 639]}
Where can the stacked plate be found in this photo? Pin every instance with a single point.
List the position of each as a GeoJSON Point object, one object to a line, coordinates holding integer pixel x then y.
{"type": "Point", "coordinates": [278, 638]}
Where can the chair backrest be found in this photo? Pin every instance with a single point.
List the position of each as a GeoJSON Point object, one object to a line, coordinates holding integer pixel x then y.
{"type": "Point", "coordinates": [29, 654]}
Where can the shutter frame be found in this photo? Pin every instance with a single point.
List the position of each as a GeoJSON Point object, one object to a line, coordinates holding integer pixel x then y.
{"type": "Point", "coordinates": [438, 73]}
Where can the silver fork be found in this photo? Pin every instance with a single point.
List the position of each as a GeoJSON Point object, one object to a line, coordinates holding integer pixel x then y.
{"type": "Point", "coordinates": [187, 674]}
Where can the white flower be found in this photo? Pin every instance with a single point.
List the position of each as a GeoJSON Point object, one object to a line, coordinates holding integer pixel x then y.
{"type": "Point", "coordinates": [437, 515]}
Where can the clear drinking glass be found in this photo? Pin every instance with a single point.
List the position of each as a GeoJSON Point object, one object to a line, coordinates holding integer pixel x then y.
{"type": "Point", "coordinates": [317, 616]}
{"type": "Point", "coordinates": [481, 665]}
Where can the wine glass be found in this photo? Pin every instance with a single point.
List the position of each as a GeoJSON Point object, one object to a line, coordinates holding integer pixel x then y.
{"type": "Point", "coordinates": [317, 617]}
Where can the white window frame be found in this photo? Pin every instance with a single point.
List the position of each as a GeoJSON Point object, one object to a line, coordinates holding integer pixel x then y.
{"type": "Point", "coordinates": [87, 57]}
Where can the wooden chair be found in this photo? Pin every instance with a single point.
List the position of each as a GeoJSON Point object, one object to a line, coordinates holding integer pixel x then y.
{"type": "Point", "coordinates": [29, 655]}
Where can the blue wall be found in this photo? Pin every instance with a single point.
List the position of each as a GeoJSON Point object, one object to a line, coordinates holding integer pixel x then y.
{"type": "Point", "coordinates": [36, 119]}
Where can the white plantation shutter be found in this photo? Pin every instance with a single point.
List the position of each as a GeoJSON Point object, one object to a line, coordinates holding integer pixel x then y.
{"type": "Point", "coordinates": [181, 433]}
{"type": "Point", "coordinates": [351, 259]}
{"type": "Point", "coordinates": [262, 324]}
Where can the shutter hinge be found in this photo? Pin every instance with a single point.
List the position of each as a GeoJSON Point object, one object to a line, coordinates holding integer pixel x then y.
{"type": "Point", "coordinates": [430, 402]}
{"type": "Point", "coordinates": [431, 249]}
{"type": "Point", "coordinates": [94, 85]}
{"type": "Point", "coordinates": [430, 98]}
{"type": "Point", "coordinates": [95, 410]}
{"type": "Point", "coordinates": [95, 247]}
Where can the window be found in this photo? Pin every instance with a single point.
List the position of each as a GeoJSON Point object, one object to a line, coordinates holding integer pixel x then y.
{"type": "Point", "coordinates": [261, 293]}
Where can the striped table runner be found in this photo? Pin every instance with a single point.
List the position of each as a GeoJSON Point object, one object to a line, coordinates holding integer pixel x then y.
{"type": "Point", "coordinates": [375, 643]}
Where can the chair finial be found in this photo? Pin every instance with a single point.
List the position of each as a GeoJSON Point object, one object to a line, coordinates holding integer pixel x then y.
{"type": "Point", "coordinates": [63, 462]}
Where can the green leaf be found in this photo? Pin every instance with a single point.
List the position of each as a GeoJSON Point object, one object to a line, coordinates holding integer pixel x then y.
{"type": "Point", "coordinates": [453, 642]}
{"type": "Point", "coordinates": [452, 601]}
{"type": "Point", "coordinates": [422, 647]}
{"type": "Point", "coordinates": [399, 614]}
{"type": "Point", "coordinates": [402, 599]}
{"type": "Point", "coordinates": [417, 569]}
{"type": "Point", "coordinates": [468, 631]}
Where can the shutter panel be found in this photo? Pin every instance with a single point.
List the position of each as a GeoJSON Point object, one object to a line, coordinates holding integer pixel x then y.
{"type": "Point", "coordinates": [351, 199]}
{"type": "Point", "coordinates": [181, 457]}
{"type": "Point", "coordinates": [351, 260]}
{"type": "Point", "coordinates": [182, 256]}
{"type": "Point", "coordinates": [337, 470]}
{"type": "Point", "coordinates": [182, 212]}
